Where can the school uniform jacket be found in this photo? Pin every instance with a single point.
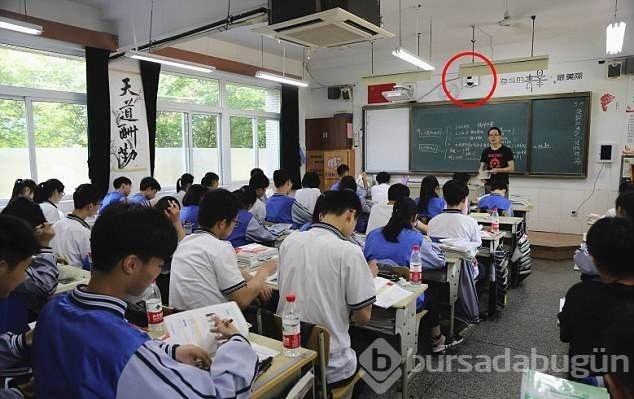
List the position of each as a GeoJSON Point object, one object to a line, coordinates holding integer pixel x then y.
{"type": "Point", "coordinates": [378, 248]}
{"type": "Point", "coordinates": [259, 209]}
{"type": "Point", "coordinates": [435, 207]}
{"type": "Point", "coordinates": [111, 198]}
{"type": "Point", "coordinates": [72, 241]}
{"type": "Point", "coordinates": [494, 200]}
{"type": "Point", "coordinates": [84, 348]}
{"type": "Point", "coordinates": [50, 211]}
{"type": "Point", "coordinates": [249, 230]}
{"type": "Point", "coordinates": [140, 199]}
{"type": "Point", "coordinates": [281, 208]}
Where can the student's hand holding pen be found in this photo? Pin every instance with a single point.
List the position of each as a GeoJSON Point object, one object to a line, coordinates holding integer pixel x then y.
{"type": "Point", "coordinates": [223, 328]}
{"type": "Point", "coordinates": [44, 233]}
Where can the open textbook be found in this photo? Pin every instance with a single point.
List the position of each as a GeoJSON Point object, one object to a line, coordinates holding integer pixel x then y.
{"type": "Point", "coordinates": [388, 292]}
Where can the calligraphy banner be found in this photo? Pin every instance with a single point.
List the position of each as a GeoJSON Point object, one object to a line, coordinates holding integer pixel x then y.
{"type": "Point", "coordinates": [129, 138]}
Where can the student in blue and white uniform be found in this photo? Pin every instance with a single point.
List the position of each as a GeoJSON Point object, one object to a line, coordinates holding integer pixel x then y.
{"type": "Point", "coordinates": [23, 188]}
{"type": "Point", "coordinates": [149, 187]}
{"type": "Point", "coordinates": [122, 188]}
{"type": "Point", "coordinates": [182, 185]}
{"type": "Point", "coordinates": [394, 243]}
{"type": "Point", "coordinates": [48, 194]}
{"type": "Point", "coordinates": [72, 233]}
{"type": "Point", "coordinates": [429, 203]}
{"type": "Point", "coordinates": [308, 194]}
{"type": "Point", "coordinates": [210, 180]}
{"type": "Point", "coordinates": [496, 199]}
{"type": "Point", "coordinates": [205, 266]}
{"type": "Point", "coordinates": [17, 246]}
{"type": "Point", "coordinates": [260, 183]}
{"type": "Point", "coordinates": [248, 229]}
{"type": "Point", "coordinates": [381, 213]}
{"type": "Point", "coordinates": [83, 343]}
{"type": "Point", "coordinates": [348, 183]}
{"type": "Point", "coordinates": [378, 192]}
{"type": "Point", "coordinates": [191, 201]}
{"type": "Point", "coordinates": [343, 170]}
{"type": "Point", "coordinates": [281, 208]}
{"type": "Point", "coordinates": [452, 223]}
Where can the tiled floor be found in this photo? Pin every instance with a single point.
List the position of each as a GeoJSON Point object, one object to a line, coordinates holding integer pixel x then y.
{"type": "Point", "coordinates": [528, 322]}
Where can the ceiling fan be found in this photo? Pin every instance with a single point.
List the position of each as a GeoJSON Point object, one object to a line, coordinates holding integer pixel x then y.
{"type": "Point", "coordinates": [508, 19]}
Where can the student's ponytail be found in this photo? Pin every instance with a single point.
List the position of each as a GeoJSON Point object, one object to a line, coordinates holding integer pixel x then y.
{"type": "Point", "coordinates": [45, 190]}
{"type": "Point", "coordinates": [185, 180]}
{"type": "Point", "coordinates": [427, 191]}
{"type": "Point", "coordinates": [20, 185]}
{"type": "Point", "coordinates": [402, 215]}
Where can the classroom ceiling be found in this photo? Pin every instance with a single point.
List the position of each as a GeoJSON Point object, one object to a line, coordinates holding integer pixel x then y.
{"type": "Point", "coordinates": [452, 20]}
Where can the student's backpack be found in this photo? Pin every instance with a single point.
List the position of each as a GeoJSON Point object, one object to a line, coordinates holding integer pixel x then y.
{"type": "Point", "coordinates": [521, 259]}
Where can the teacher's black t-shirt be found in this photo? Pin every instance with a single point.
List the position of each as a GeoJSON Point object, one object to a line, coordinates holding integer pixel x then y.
{"type": "Point", "coordinates": [497, 159]}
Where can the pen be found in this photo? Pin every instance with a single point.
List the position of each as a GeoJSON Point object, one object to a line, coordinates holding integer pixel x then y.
{"type": "Point", "coordinates": [227, 322]}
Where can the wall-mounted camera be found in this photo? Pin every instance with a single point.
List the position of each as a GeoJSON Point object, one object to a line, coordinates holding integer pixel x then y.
{"type": "Point", "coordinates": [471, 81]}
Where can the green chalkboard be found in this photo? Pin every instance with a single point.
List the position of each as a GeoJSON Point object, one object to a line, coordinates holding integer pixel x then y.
{"type": "Point", "coordinates": [559, 139]}
{"type": "Point", "coordinates": [446, 138]}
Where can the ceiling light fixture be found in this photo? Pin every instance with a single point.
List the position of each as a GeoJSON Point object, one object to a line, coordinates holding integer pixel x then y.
{"type": "Point", "coordinates": [279, 78]}
{"type": "Point", "coordinates": [20, 26]}
{"type": "Point", "coordinates": [614, 34]}
{"type": "Point", "coordinates": [137, 55]}
{"type": "Point", "coordinates": [405, 55]}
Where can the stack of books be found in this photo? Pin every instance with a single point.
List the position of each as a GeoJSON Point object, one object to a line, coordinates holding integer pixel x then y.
{"type": "Point", "coordinates": [253, 255]}
{"type": "Point", "coordinates": [455, 247]}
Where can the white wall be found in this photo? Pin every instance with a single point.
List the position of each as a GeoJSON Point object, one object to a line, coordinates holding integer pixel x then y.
{"type": "Point", "coordinates": [554, 199]}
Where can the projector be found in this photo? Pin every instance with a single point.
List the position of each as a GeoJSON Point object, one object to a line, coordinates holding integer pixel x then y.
{"type": "Point", "coordinates": [400, 92]}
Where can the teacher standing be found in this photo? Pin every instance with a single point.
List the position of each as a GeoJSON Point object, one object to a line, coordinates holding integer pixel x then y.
{"type": "Point", "coordinates": [497, 158]}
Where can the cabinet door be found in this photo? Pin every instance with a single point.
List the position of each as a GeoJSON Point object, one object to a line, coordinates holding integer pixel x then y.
{"type": "Point", "coordinates": [316, 133]}
{"type": "Point", "coordinates": [338, 134]}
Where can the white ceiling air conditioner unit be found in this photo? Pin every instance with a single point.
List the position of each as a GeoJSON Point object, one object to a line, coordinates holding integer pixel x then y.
{"type": "Point", "coordinates": [400, 93]}
{"type": "Point", "coordinates": [330, 28]}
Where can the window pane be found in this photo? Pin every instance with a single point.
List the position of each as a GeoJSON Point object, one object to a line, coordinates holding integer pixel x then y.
{"type": "Point", "coordinates": [268, 145]}
{"type": "Point", "coordinates": [41, 71]}
{"type": "Point", "coordinates": [184, 89]}
{"type": "Point", "coordinates": [205, 143]}
{"type": "Point", "coordinates": [252, 98]}
{"type": "Point", "coordinates": [14, 153]}
{"type": "Point", "coordinates": [61, 138]}
{"type": "Point", "coordinates": [241, 148]}
{"type": "Point", "coordinates": [170, 163]}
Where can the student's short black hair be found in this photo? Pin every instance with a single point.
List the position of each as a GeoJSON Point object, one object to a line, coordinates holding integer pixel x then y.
{"type": "Point", "coordinates": [164, 203]}
{"type": "Point", "coordinates": [86, 194]}
{"type": "Point", "coordinates": [494, 128]}
{"type": "Point", "coordinates": [130, 229]}
{"type": "Point", "coordinates": [625, 186]}
{"type": "Point", "coordinates": [25, 209]}
{"type": "Point", "coordinates": [194, 194]}
{"type": "Point", "coordinates": [280, 177]}
{"type": "Point", "coordinates": [20, 185]}
{"type": "Point", "coordinates": [348, 182]}
{"type": "Point", "coordinates": [17, 241]}
{"type": "Point", "coordinates": [610, 242]}
{"type": "Point", "coordinates": [454, 192]}
{"type": "Point", "coordinates": [337, 202]}
{"type": "Point", "coordinates": [151, 183]}
{"type": "Point", "coordinates": [216, 206]}
{"type": "Point", "coordinates": [44, 190]}
{"type": "Point", "coordinates": [625, 201]}
{"type": "Point", "coordinates": [342, 169]}
{"type": "Point", "coordinates": [618, 346]}
{"type": "Point", "coordinates": [256, 171]}
{"type": "Point", "coordinates": [120, 181]}
{"type": "Point", "coordinates": [397, 191]}
{"type": "Point", "coordinates": [310, 180]}
{"type": "Point", "coordinates": [183, 181]}
{"type": "Point", "coordinates": [209, 178]}
{"type": "Point", "coordinates": [259, 181]}
{"type": "Point", "coordinates": [462, 177]}
{"type": "Point", "coordinates": [498, 184]}
{"type": "Point", "coordinates": [383, 177]}
{"type": "Point", "coordinates": [318, 207]}
{"type": "Point", "coordinates": [246, 196]}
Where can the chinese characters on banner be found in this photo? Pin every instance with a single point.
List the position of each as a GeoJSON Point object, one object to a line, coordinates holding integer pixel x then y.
{"type": "Point", "coordinates": [129, 139]}
{"type": "Point", "coordinates": [629, 117]}
{"type": "Point", "coordinates": [538, 79]}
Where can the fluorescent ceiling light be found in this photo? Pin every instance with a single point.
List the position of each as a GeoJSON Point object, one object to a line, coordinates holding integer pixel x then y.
{"type": "Point", "coordinates": [280, 79]}
{"type": "Point", "coordinates": [396, 77]}
{"type": "Point", "coordinates": [513, 65]}
{"type": "Point", "coordinates": [169, 61]}
{"type": "Point", "coordinates": [412, 59]}
{"type": "Point", "coordinates": [20, 26]}
{"type": "Point", "coordinates": [615, 34]}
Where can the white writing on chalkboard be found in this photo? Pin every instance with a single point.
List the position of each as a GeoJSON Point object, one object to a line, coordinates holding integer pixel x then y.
{"type": "Point", "coordinates": [576, 135]}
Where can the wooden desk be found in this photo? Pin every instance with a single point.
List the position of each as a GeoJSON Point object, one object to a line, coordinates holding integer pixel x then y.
{"type": "Point", "coordinates": [506, 222]}
{"type": "Point", "coordinates": [492, 241]}
{"type": "Point", "coordinates": [283, 372]}
{"type": "Point", "coordinates": [70, 277]}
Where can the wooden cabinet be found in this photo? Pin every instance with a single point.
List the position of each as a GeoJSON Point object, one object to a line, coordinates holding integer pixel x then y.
{"type": "Point", "coordinates": [329, 133]}
{"type": "Point", "coordinates": [325, 164]}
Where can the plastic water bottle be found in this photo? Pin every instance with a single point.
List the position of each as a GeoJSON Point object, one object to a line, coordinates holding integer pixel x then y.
{"type": "Point", "coordinates": [415, 266]}
{"type": "Point", "coordinates": [154, 310]}
{"type": "Point", "coordinates": [290, 328]}
{"type": "Point", "coordinates": [495, 221]}
{"type": "Point", "coordinates": [188, 228]}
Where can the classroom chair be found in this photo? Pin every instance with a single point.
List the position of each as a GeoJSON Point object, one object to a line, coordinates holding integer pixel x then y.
{"type": "Point", "coordinates": [302, 387]}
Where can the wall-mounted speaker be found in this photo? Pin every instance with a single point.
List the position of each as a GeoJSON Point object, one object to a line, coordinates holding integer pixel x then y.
{"type": "Point", "coordinates": [334, 93]}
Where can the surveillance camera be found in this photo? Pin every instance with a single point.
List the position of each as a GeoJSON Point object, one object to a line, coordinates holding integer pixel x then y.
{"type": "Point", "coordinates": [471, 81]}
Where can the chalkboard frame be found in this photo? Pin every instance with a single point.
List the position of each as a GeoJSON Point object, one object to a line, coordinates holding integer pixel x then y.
{"type": "Point", "coordinates": [511, 99]}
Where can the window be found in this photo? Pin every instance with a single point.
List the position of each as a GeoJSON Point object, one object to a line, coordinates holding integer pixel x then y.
{"type": "Point", "coordinates": [205, 156]}
{"type": "Point", "coordinates": [14, 150]}
{"type": "Point", "coordinates": [170, 128]}
{"type": "Point", "coordinates": [185, 89]}
{"type": "Point", "coordinates": [268, 145]}
{"type": "Point", "coordinates": [252, 98]}
{"type": "Point", "coordinates": [242, 153]}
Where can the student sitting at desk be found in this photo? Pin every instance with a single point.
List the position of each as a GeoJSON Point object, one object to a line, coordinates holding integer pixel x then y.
{"type": "Point", "coordinates": [623, 188]}
{"type": "Point", "coordinates": [330, 278]}
{"type": "Point", "coordinates": [259, 182]}
{"type": "Point", "coordinates": [591, 305]}
{"type": "Point", "coordinates": [624, 208]}
{"type": "Point", "coordinates": [48, 194]}
{"type": "Point", "coordinates": [429, 203]}
{"type": "Point", "coordinates": [189, 211]}
{"type": "Point", "coordinates": [182, 185]}
{"type": "Point", "coordinates": [248, 229]}
{"type": "Point", "coordinates": [149, 187]}
{"type": "Point", "coordinates": [72, 234]}
{"type": "Point", "coordinates": [452, 223]}
{"type": "Point", "coordinates": [205, 267]}
{"type": "Point", "coordinates": [210, 180]}
{"type": "Point", "coordinates": [84, 345]}
{"type": "Point", "coordinates": [342, 171]}
{"type": "Point", "coordinates": [394, 242]}
{"type": "Point", "coordinates": [496, 199]}
{"type": "Point", "coordinates": [17, 246]}
{"type": "Point", "coordinates": [308, 194]}
{"type": "Point", "coordinates": [122, 188]}
{"type": "Point", "coordinates": [381, 213]}
{"type": "Point", "coordinates": [23, 188]}
{"type": "Point", "coordinates": [281, 208]}
{"type": "Point", "coordinates": [378, 192]}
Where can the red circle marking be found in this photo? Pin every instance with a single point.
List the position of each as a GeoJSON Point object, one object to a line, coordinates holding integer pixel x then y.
{"type": "Point", "coordinates": [459, 102]}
